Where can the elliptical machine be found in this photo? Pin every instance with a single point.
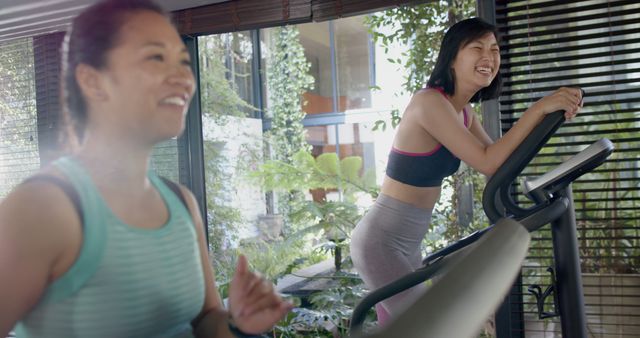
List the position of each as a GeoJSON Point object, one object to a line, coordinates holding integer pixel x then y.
{"type": "Point", "coordinates": [553, 203]}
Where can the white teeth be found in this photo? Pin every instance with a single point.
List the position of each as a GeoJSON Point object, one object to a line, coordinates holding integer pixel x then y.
{"type": "Point", "coordinates": [175, 100]}
{"type": "Point", "coordinates": [486, 70]}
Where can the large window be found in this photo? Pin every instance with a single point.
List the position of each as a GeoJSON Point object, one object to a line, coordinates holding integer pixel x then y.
{"type": "Point", "coordinates": [340, 54]}
{"type": "Point", "coordinates": [353, 87]}
{"type": "Point", "coordinates": [316, 41]}
{"type": "Point", "coordinates": [232, 140]}
{"type": "Point", "coordinates": [354, 63]}
{"type": "Point", "coordinates": [322, 77]}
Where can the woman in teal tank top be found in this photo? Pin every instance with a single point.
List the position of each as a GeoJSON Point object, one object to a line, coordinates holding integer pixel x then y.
{"type": "Point", "coordinates": [103, 247]}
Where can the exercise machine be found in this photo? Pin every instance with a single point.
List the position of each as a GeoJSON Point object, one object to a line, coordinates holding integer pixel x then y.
{"type": "Point", "coordinates": [466, 266]}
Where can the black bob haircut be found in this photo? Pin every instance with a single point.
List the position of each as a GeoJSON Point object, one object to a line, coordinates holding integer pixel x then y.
{"type": "Point", "coordinates": [458, 36]}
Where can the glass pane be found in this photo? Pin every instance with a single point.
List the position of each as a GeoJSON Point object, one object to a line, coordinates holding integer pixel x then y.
{"type": "Point", "coordinates": [354, 139]}
{"type": "Point", "coordinates": [353, 59]}
{"type": "Point", "coordinates": [314, 37]}
{"type": "Point", "coordinates": [232, 142]}
{"type": "Point", "coordinates": [226, 84]}
{"type": "Point", "coordinates": [357, 63]}
{"type": "Point", "coordinates": [390, 76]}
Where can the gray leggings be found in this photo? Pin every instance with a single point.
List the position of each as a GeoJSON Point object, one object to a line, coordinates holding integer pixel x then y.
{"type": "Point", "coordinates": [385, 245]}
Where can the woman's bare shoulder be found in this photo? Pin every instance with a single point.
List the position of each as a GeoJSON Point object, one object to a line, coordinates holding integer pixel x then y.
{"type": "Point", "coordinates": [427, 94]}
{"type": "Point", "coordinates": [38, 205]}
{"type": "Point", "coordinates": [426, 102]}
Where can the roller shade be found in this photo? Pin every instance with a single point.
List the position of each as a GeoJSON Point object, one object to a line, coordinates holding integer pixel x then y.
{"type": "Point", "coordinates": [18, 122]}
{"type": "Point", "coordinates": [333, 9]}
{"type": "Point", "coordinates": [48, 72]}
{"type": "Point", "coordinates": [241, 15]}
{"type": "Point", "coordinates": [252, 14]}
{"type": "Point", "coordinates": [30, 115]}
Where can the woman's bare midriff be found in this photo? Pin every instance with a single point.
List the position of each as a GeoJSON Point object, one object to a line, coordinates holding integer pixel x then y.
{"type": "Point", "coordinates": [421, 197]}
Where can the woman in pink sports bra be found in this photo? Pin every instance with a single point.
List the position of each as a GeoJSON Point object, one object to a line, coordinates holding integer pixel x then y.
{"type": "Point", "coordinates": [438, 130]}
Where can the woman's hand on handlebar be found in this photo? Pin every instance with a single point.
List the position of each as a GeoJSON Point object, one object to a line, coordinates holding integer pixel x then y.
{"type": "Point", "coordinates": [565, 98]}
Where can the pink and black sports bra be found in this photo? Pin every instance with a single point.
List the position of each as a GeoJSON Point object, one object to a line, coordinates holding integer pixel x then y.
{"type": "Point", "coordinates": [423, 169]}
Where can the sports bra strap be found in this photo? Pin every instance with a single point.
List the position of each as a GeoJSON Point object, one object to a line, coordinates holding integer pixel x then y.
{"type": "Point", "coordinates": [464, 110]}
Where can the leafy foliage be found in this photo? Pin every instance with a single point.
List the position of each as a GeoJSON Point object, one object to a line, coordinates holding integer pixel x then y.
{"type": "Point", "coordinates": [422, 27]}
{"type": "Point", "coordinates": [219, 96]}
{"type": "Point", "coordinates": [220, 104]}
{"type": "Point", "coordinates": [305, 172]}
{"type": "Point", "coordinates": [333, 220]}
{"type": "Point", "coordinates": [287, 79]}
{"type": "Point", "coordinates": [326, 171]}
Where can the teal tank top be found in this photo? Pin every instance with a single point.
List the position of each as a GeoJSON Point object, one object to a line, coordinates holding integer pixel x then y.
{"type": "Point", "coordinates": [126, 281]}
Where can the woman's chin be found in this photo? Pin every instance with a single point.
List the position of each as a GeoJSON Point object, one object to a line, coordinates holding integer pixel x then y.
{"type": "Point", "coordinates": [168, 134]}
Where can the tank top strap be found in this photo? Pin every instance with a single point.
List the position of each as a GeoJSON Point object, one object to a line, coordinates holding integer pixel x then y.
{"type": "Point", "coordinates": [93, 233]}
{"type": "Point", "coordinates": [177, 208]}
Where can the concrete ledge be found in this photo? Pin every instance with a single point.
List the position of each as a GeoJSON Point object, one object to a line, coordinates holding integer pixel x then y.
{"type": "Point", "coordinates": [287, 282]}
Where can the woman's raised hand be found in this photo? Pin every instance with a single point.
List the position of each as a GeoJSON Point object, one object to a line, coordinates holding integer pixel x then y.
{"type": "Point", "coordinates": [253, 304]}
{"type": "Point", "coordinates": [568, 99]}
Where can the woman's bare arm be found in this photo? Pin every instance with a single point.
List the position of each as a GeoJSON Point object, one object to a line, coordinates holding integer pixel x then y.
{"type": "Point", "coordinates": [37, 224]}
{"type": "Point", "coordinates": [476, 128]}
{"type": "Point", "coordinates": [438, 118]}
{"type": "Point", "coordinates": [212, 320]}
{"type": "Point", "coordinates": [252, 299]}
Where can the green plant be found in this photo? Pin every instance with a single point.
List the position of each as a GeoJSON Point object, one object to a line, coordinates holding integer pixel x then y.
{"type": "Point", "coordinates": [336, 304]}
{"type": "Point", "coordinates": [219, 96]}
{"type": "Point", "coordinates": [287, 79]}
{"type": "Point", "coordinates": [422, 27]}
{"type": "Point", "coordinates": [332, 220]}
{"type": "Point", "coordinates": [304, 172]}
{"type": "Point", "coordinates": [335, 219]}
{"type": "Point", "coordinates": [278, 258]}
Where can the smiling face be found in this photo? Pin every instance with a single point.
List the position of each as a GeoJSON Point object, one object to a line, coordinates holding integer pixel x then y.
{"type": "Point", "coordinates": [147, 83]}
{"type": "Point", "coordinates": [477, 63]}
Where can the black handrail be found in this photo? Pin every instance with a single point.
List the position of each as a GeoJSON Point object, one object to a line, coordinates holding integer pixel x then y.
{"type": "Point", "coordinates": [403, 283]}
{"type": "Point", "coordinates": [533, 221]}
{"type": "Point", "coordinates": [497, 192]}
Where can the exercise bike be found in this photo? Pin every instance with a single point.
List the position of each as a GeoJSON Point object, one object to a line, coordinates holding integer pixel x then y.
{"type": "Point", "coordinates": [476, 272]}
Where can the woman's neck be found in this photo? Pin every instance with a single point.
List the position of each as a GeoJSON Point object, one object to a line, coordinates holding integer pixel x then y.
{"type": "Point", "coordinates": [461, 97]}
{"type": "Point", "coordinates": [115, 160]}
